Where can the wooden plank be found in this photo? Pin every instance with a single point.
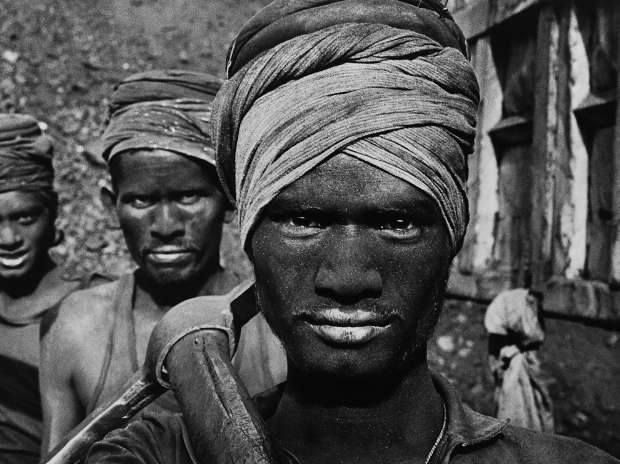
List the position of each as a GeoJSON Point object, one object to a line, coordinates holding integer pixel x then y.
{"type": "Point", "coordinates": [484, 170]}
{"type": "Point", "coordinates": [614, 277]}
{"type": "Point", "coordinates": [599, 205]}
{"type": "Point", "coordinates": [562, 176]}
{"type": "Point", "coordinates": [544, 147]}
{"type": "Point", "coordinates": [585, 300]}
{"type": "Point", "coordinates": [465, 258]}
{"type": "Point", "coordinates": [473, 19]}
{"type": "Point", "coordinates": [478, 16]}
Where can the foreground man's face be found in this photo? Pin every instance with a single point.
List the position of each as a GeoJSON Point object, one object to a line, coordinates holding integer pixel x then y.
{"type": "Point", "coordinates": [171, 213]}
{"type": "Point", "coordinates": [26, 234]}
{"type": "Point", "coordinates": [349, 264]}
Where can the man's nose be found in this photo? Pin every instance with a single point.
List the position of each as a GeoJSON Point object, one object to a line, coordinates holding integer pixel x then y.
{"type": "Point", "coordinates": [10, 238]}
{"type": "Point", "coordinates": [167, 223]}
{"type": "Point", "coordinates": [346, 273]}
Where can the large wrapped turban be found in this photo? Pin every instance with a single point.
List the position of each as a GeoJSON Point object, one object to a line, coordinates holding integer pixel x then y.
{"type": "Point", "coordinates": [384, 81]}
{"type": "Point", "coordinates": [162, 109]}
{"type": "Point", "coordinates": [25, 155]}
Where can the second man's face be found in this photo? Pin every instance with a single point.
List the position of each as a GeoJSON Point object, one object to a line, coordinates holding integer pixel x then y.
{"type": "Point", "coordinates": [171, 212]}
{"type": "Point", "coordinates": [350, 267]}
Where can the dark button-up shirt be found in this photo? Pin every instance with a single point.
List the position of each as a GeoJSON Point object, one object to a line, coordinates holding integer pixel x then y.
{"type": "Point", "coordinates": [470, 437]}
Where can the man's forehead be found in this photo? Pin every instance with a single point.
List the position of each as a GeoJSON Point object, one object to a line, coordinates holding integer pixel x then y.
{"type": "Point", "coordinates": [346, 181]}
{"type": "Point", "coordinates": [159, 167]}
{"type": "Point", "coordinates": [17, 201]}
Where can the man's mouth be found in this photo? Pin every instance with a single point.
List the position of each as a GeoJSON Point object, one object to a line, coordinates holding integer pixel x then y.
{"type": "Point", "coordinates": [347, 327]}
{"type": "Point", "coordinates": [13, 260]}
{"type": "Point", "coordinates": [168, 254]}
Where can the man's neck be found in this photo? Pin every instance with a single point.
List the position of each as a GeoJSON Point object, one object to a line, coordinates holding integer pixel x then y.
{"type": "Point", "coordinates": [14, 289]}
{"type": "Point", "coordinates": [164, 297]}
{"type": "Point", "coordinates": [382, 424]}
{"type": "Point", "coordinates": [24, 301]}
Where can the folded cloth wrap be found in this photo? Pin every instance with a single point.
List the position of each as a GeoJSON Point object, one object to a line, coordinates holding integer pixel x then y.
{"type": "Point", "coordinates": [25, 155]}
{"type": "Point", "coordinates": [169, 110]}
{"type": "Point", "coordinates": [159, 84]}
{"type": "Point", "coordinates": [403, 99]}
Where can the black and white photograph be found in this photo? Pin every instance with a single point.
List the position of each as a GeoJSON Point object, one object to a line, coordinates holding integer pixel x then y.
{"type": "Point", "coordinates": [309, 232]}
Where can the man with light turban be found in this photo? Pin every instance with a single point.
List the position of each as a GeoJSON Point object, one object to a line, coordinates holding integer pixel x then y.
{"type": "Point", "coordinates": [341, 135]}
{"type": "Point", "coordinates": [30, 282]}
{"type": "Point", "coordinates": [168, 200]}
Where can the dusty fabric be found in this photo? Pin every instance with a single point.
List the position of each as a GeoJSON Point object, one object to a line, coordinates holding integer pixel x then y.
{"type": "Point", "coordinates": [470, 438]}
{"type": "Point", "coordinates": [20, 401]}
{"type": "Point", "coordinates": [394, 98]}
{"type": "Point", "coordinates": [168, 110]}
{"type": "Point", "coordinates": [25, 155]}
{"type": "Point", "coordinates": [282, 20]}
{"type": "Point", "coordinates": [521, 390]}
{"type": "Point", "coordinates": [159, 84]}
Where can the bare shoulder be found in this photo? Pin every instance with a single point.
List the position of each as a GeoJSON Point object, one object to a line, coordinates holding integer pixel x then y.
{"type": "Point", "coordinates": [83, 313]}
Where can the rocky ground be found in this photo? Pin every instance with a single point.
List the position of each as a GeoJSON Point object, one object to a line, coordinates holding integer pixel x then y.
{"type": "Point", "coordinates": [60, 59]}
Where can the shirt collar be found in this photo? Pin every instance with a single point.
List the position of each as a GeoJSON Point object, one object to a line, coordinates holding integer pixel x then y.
{"type": "Point", "coordinates": [465, 427]}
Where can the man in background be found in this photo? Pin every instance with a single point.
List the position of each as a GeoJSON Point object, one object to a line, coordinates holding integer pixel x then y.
{"type": "Point", "coordinates": [513, 322]}
{"type": "Point", "coordinates": [30, 281]}
{"type": "Point", "coordinates": [171, 209]}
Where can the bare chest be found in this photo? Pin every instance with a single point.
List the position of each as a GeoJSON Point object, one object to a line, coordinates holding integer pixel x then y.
{"type": "Point", "coordinates": [20, 343]}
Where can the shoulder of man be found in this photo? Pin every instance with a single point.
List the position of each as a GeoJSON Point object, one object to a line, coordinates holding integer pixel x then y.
{"type": "Point", "coordinates": [82, 308]}
{"type": "Point", "coordinates": [524, 446]}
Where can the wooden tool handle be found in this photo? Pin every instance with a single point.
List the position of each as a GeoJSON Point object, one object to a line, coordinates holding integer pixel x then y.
{"type": "Point", "coordinates": [223, 424]}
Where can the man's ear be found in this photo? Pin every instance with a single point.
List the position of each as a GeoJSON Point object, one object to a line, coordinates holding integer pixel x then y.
{"type": "Point", "coordinates": [229, 215]}
{"type": "Point", "coordinates": [108, 199]}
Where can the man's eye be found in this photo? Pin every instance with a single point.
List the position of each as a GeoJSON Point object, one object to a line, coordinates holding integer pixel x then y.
{"type": "Point", "coordinates": [140, 202]}
{"type": "Point", "coordinates": [303, 221]}
{"type": "Point", "coordinates": [189, 198]}
{"type": "Point", "coordinates": [300, 224]}
{"type": "Point", "coordinates": [26, 219]}
{"type": "Point", "coordinates": [401, 227]}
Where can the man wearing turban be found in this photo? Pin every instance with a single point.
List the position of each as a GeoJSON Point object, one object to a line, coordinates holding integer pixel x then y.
{"type": "Point", "coordinates": [342, 136]}
{"type": "Point", "coordinates": [30, 282]}
{"type": "Point", "coordinates": [171, 209]}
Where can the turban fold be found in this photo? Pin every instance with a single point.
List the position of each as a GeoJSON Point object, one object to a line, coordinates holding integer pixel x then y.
{"type": "Point", "coordinates": [169, 110]}
{"type": "Point", "coordinates": [25, 155]}
{"type": "Point", "coordinates": [385, 82]}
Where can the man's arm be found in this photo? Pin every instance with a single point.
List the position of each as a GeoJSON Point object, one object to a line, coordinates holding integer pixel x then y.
{"type": "Point", "coordinates": [60, 348]}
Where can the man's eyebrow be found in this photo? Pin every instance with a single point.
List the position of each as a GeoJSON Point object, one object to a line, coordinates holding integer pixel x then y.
{"type": "Point", "coordinates": [423, 205]}
{"type": "Point", "coordinates": [135, 193]}
{"type": "Point", "coordinates": [30, 209]}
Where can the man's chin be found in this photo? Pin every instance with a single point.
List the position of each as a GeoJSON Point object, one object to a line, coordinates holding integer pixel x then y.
{"type": "Point", "coordinates": [16, 276]}
{"type": "Point", "coordinates": [169, 277]}
{"type": "Point", "coordinates": [339, 364]}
